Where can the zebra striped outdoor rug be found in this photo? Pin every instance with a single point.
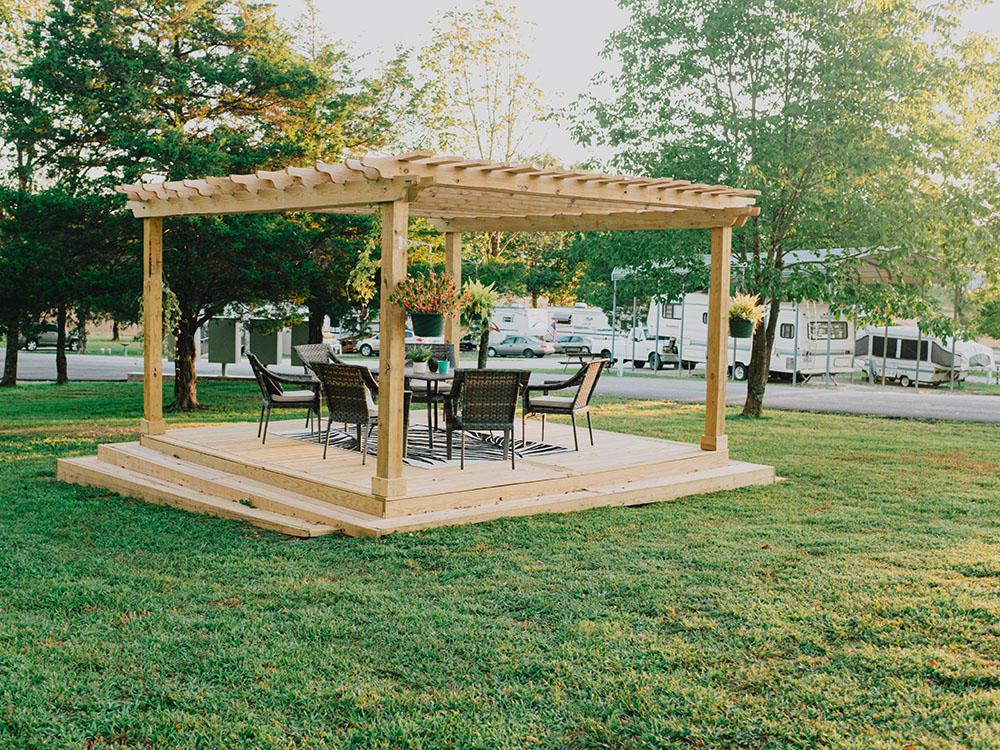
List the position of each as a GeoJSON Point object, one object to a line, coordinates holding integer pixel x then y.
{"type": "Point", "coordinates": [479, 446]}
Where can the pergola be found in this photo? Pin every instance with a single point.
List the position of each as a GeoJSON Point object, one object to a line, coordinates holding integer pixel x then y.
{"type": "Point", "coordinates": [456, 195]}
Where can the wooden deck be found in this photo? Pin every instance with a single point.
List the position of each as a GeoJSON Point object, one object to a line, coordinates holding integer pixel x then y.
{"type": "Point", "coordinates": [286, 485]}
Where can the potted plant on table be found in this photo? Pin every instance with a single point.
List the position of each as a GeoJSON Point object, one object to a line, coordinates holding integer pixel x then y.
{"type": "Point", "coordinates": [745, 313]}
{"type": "Point", "coordinates": [419, 356]}
{"type": "Point", "coordinates": [427, 299]}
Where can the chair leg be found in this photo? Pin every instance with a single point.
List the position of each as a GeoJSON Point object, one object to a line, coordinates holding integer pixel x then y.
{"type": "Point", "coordinates": [260, 423]}
{"type": "Point", "coordinates": [590, 429]}
{"type": "Point", "coordinates": [510, 441]}
{"type": "Point", "coordinates": [267, 421]}
{"type": "Point", "coordinates": [543, 428]}
{"type": "Point", "coordinates": [329, 427]}
{"type": "Point", "coordinates": [462, 462]}
{"type": "Point", "coordinates": [447, 443]}
{"type": "Point", "coordinates": [576, 443]}
{"type": "Point", "coordinates": [524, 427]}
{"type": "Point", "coordinates": [359, 437]}
{"type": "Point", "coordinates": [364, 446]}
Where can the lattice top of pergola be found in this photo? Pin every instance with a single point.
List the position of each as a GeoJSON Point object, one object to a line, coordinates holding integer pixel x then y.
{"type": "Point", "coordinates": [457, 195]}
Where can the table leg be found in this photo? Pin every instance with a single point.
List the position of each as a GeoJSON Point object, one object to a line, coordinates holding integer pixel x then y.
{"type": "Point", "coordinates": [430, 425]}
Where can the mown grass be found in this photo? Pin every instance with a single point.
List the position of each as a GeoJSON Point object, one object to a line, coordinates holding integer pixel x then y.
{"type": "Point", "coordinates": [854, 605]}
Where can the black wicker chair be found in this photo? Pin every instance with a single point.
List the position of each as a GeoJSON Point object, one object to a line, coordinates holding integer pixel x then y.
{"type": "Point", "coordinates": [483, 400]}
{"type": "Point", "coordinates": [424, 392]}
{"type": "Point", "coordinates": [312, 353]}
{"type": "Point", "coordinates": [274, 396]}
{"type": "Point", "coordinates": [350, 392]}
{"type": "Point", "coordinates": [585, 383]}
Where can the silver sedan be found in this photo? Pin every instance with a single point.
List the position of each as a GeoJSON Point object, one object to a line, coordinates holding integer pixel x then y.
{"type": "Point", "coordinates": [521, 346]}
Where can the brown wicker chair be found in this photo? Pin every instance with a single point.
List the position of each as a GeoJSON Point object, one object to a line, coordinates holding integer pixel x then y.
{"type": "Point", "coordinates": [585, 382]}
{"type": "Point", "coordinates": [483, 400]}
{"type": "Point", "coordinates": [424, 392]}
{"type": "Point", "coordinates": [350, 392]}
{"type": "Point", "coordinates": [311, 353]}
{"type": "Point", "coordinates": [274, 395]}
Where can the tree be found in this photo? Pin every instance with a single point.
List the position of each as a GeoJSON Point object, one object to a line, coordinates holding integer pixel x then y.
{"type": "Point", "coordinates": [833, 110]}
{"type": "Point", "coordinates": [179, 89]}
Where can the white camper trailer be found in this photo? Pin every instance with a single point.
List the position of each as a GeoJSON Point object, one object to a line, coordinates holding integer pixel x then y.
{"type": "Point", "coordinates": [515, 320]}
{"type": "Point", "coordinates": [806, 341]}
{"type": "Point", "coordinates": [910, 357]}
{"type": "Point", "coordinates": [580, 318]}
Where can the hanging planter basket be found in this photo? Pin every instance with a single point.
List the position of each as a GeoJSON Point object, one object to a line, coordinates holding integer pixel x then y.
{"type": "Point", "coordinates": [427, 324]}
{"type": "Point", "coordinates": [740, 328]}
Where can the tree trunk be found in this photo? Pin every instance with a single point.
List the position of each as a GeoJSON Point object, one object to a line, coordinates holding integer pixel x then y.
{"type": "Point", "coordinates": [82, 313]}
{"type": "Point", "coordinates": [760, 362]}
{"type": "Point", "coordinates": [484, 347]}
{"type": "Point", "coordinates": [316, 315]}
{"type": "Point", "coordinates": [185, 377]}
{"type": "Point", "coordinates": [62, 373]}
{"type": "Point", "coordinates": [115, 332]}
{"type": "Point", "coordinates": [10, 362]}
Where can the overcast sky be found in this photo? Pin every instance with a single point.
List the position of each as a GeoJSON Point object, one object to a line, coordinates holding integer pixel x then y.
{"type": "Point", "coordinates": [566, 37]}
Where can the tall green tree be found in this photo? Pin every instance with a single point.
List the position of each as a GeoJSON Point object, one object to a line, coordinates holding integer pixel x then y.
{"type": "Point", "coordinates": [835, 110]}
{"type": "Point", "coordinates": [179, 89]}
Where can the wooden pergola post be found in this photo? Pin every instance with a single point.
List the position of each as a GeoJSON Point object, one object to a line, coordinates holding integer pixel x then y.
{"type": "Point", "coordinates": [152, 327]}
{"type": "Point", "coordinates": [388, 480]}
{"type": "Point", "coordinates": [715, 438]}
{"type": "Point", "coordinates": [453, 267]}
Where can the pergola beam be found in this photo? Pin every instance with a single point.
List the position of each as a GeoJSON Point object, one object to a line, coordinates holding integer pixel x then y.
{"type": "Point", "coordinates": [626, 220]}
{"type": "Point", "coordinates": [264, 199]}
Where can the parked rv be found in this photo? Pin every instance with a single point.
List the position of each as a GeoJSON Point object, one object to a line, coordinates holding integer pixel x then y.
{"type": "Point", "coordinates": [516, 320]}
{"type": "Point", "coordinates": [909, 357]}
{"type": "Point", "coordinates": [806, 342]}
{"type": "Point", "coordinates": [579, 319]}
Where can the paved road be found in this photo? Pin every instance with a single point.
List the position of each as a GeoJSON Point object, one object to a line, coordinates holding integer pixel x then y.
{"type": "Point", "coordinates": [890, 401]}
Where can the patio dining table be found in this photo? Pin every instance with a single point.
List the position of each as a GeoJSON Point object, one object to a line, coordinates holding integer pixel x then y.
{"type": "Point", "coordinates": [433, 381]}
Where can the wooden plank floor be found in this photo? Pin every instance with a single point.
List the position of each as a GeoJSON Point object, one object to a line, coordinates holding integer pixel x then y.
{"type": "Point", "coordinates": [198, 467]}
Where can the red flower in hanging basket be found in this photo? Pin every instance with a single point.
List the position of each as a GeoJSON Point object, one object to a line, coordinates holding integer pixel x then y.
{"type": "Point", "coordinates": [433, 293]}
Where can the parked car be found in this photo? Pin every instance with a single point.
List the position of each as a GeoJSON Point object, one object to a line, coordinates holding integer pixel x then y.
{"type": "Point", "coordinates": [522, 346]}
{"type": "Point", "coordinates": [369, 347]}
{"type": "Point", "coordinates": [349, 344]}
{"type": "Point", "coordinates": [468, 344]}
{"type": "Point", "coordinates": [46, 335]}
{"type": "Point", "coordinates": [573, 343]}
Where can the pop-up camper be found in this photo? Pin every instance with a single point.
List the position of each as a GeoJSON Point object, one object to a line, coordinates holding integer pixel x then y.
{"type": "Point", "coordinates": [910, 357]}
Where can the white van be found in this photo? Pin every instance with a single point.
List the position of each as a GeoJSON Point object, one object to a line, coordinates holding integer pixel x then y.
{"type": "Point", "coordinates": [910, 357]}
{"type": "Point", "coordinates": [806, 342]}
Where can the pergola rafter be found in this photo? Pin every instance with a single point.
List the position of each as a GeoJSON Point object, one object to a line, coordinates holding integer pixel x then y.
{"type": "Point", "coordinates": [456, 195]}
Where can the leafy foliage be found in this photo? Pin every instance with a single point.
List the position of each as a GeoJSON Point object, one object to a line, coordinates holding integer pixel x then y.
{"type": "Point", "coordinates": [840, 113]}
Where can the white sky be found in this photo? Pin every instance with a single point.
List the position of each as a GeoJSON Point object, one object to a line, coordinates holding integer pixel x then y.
{"type": "Point", "coordinates": [566, 37]}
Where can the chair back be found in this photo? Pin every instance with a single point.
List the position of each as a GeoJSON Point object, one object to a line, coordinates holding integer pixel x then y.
{"type": "Point", "coordinates": [438, 351]}
{"type": "Point", "coordinates": [346, 389]}
{"type": "Point", "coordinates": [589, 374]}
{"type": "Point", "coordinates": [269, 385]}
{"type": "Point", "coordinates": [487, 397]}
{"type": "Point", "coordinates": [311, 354]}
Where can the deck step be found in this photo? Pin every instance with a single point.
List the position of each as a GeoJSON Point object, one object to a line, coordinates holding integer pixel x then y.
{"type": "Point", "coordinates": [734, 475]}
{"type": "Point", "coordinates": [234, 487]}
{"type": "Point", "coordinates": [91, 471]}
{"type": "Point", "coordinates": [132, 470]}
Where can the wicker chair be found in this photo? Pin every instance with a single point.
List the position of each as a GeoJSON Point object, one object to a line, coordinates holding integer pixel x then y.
{"type": "Point", "coordinates": [312, 353]}
{"type": "Point", "coordinates": [350, 392]}
{"type": "Point", "coordinates": [585, 383]}
{"type": "Point", "coordinates": [424, 392]}
{"type": "Point", "coordinates": [274, 395]}
{"type": "Point", "coordinates": [483, 400]}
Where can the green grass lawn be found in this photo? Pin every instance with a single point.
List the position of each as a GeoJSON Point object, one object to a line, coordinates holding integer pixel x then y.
{"type": "Point", "coordinates": [854, 605]}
